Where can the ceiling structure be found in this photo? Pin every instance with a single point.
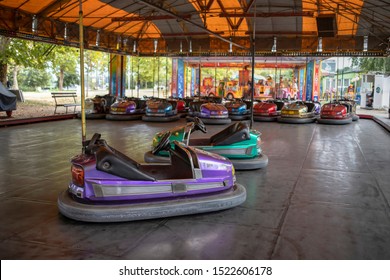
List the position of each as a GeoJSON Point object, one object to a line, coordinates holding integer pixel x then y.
{"type": "Point", "coordinates": [214, 28]}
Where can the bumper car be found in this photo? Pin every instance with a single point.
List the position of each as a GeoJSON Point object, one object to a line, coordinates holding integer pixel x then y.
{"type": "Point", "coordinates": [181, 107]}
{"type": "Point", "coordinates": [108, 186]}
{"type": "Point", "coordinates": [298, 112]}
{"type": "Point", "coordinates": [352, 103]}
{"type": "Point", "coordinates": [98, 107]}
{"type": "Point", "coordinates": [267, 111]}
{"type": "Point", "coordinates": [238, 110]}
{"type": "Point", "coordinates": [209, 113]}
{"type": "Point", "coordinates": [236, 142]}
{"type": "Point", "coordinates": [125, 110]}
{"type": "Point", "coordinates": [161, 110]}
{"type": "Point", "coordinates": [339, 112]}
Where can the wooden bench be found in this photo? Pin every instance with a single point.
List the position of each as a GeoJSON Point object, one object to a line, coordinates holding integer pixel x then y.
{"type": "Point", "coordinates": [65, 99]}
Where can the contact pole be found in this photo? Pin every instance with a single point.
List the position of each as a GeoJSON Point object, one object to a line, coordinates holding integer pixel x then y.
{"type": "Point", "coordinates": [253, 68]}
{"type": "Point", "coordinates": [82, 82]}
{"type": "Point", "coordinates": [158, 76]}
{"type": "Point", "coordinates": [305, 84]}
{"type": "Point", "coordinates": [253, 80]}
{"type": "Point", "coordinates": [166, 77]}
{"type": "Point", "coordinates": [131, 77]}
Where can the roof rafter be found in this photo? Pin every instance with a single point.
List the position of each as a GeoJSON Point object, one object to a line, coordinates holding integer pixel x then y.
{"type": "Point", "coordinates": [190, 22]}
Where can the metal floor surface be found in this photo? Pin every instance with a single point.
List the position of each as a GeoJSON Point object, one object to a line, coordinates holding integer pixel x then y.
{"type": "Point", "coordinates": [324, 195]}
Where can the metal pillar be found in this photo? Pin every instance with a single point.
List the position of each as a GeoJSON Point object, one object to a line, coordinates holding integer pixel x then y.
{"type": "Point", "coordinates": [82, 82]}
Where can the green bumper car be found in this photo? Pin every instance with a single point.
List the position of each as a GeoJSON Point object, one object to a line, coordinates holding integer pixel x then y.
{"type": "Point", "coordinates": [236, 142]}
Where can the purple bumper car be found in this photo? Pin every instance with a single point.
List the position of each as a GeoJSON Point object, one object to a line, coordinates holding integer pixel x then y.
{"type": "Point", "coordinates": [108, 186]}
{"type": "Point", "coordinates": [209, 113]}
{"type": "Point", "coordinates": [124, 110]}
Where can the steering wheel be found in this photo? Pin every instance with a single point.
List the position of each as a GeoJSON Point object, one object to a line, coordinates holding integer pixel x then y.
{"type": "Point", "coordinates": [164, 143]}
{"type": "Point", "coordinates": [199, 124]}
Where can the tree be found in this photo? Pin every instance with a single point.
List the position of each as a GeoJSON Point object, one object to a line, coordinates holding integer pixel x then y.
{"type": "Point", "coordinates": [64, 60]}
{"type": "Point", "coordinates": [96, 63]}
{"type": "Point", "coordinates": [31, 78]}
{"type": "Point", "coordinates": [71, 79]}
{"type": "Point", "coordinates": [373, 64]}
{"type": "Point", "coordinates": [16, 54]}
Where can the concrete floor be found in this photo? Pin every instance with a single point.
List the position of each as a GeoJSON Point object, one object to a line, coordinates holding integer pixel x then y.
{"type": "Point", "coordinates": [324, 195]}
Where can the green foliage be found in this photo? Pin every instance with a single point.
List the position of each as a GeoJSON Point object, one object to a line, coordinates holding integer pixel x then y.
{"type": "Point", "coordinates": [71, 79]}
{"type": "Point", "coordinates": [149, 70]}
{"type": "Point", "coordinates": [96, 65]}
{"type": "Point", "coordinates": [64, 59]}
{"type": "Point", "coordinates": [373, 64]}
{"type": "Point", "coordinates": [25, 53]}
{"type": "Point", "coordinates": [30, 79]}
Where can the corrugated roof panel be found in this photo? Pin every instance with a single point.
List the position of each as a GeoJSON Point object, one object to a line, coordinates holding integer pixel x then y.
{"type": "Point", "coordinates": [30, 6]}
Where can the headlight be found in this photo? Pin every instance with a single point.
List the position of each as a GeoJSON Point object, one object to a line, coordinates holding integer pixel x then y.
{"type": "Point", "coordinates": [258, 141]}
{"type": "Point", "coordinates": [155, 141]}
{"type": "Point", "coordinates": [234, 175]}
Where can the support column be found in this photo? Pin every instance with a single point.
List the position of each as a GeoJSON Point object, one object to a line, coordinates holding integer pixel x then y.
{"type": "Point", "coordinates": [177, 82]}
{"type": "Point", "coordinates": [309, 80]}
{"type": "Point", "coordinates": [301, 87]}
{"type": "Point", "coordinates": [194, 80]}
{"type": "Point", "coordinates": [316, 81]}
{"type": "Point", "coordinates": [117, 75]}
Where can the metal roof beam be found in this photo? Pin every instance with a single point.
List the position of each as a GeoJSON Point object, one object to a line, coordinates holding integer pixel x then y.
{"type": "Point", "coordinates": [188, 34]}
{"type": "Point", "coordinates": [274, 14]}
{"type": "Point", "coordinates": [52, 7]}
{"type": "Point", "coordinates": [150, 18]}
{"type": "Point", "coordinates": [152, 5]}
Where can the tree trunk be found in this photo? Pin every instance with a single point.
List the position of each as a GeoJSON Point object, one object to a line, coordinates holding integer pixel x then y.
{"type": "Point", "coordinates": [3, 73]}
{"type": "Point", "coordinates": [15, 71]}
{"type": "Point", "coordinates": [61, 80]}
{"type": "Point", "coordinates": [4, 43]}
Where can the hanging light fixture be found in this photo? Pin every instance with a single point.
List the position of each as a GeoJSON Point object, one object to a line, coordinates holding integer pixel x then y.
{"type": "Point", "coordinates": [155, 45]}
{"type": "Point", "coordinates": [231, 46]}
{"type": "Point", "coordinates": [181, 46]}
{"type": "Point", "coordinates": [97, 38]}
{"type": "Point", "coordinates": [274, 46]}
{"type": "Point", "coordinates": [365, 43]}
{"type": "Point", "coordinates": [118, 42]}
{"type": "Point", "coordinates": [34, 25]}
{"type": "Point", "coordinates": [66, 32]}
{"type": "Point", "coordinates": [190, 50]}
{"type": "Point", "coordinates": [319, 47]}
{"type": "Point", "coordinates": [134, 46]}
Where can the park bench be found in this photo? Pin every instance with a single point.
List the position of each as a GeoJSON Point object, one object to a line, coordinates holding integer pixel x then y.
{"type": "Point", "coordinates": [65, 99]}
